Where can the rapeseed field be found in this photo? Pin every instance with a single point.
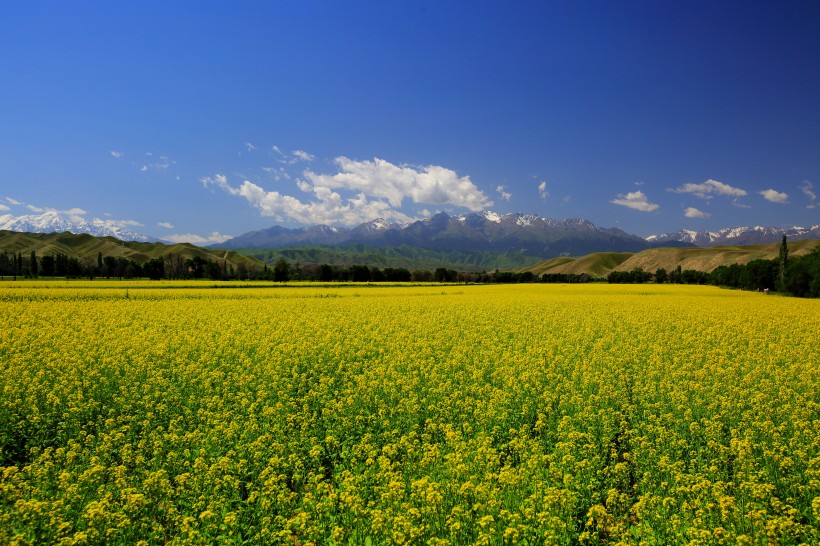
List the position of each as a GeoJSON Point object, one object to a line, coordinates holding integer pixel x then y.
{"type": "Point", "coordinates": [173, 413]}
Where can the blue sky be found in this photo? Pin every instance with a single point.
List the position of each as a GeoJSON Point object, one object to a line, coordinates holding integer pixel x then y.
{"type": "Point", "coordinates": [202, 120]}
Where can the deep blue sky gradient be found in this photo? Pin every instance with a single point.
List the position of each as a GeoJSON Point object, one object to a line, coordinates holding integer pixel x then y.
{"type": "Point", "coordinates": [599, 100]}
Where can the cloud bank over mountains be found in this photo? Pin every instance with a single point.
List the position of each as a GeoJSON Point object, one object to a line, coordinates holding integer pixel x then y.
{"type": "Point", "coordinates": [372, 189]}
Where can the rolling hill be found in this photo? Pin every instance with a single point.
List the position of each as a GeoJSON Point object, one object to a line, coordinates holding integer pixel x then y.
{"type": "Point", "coordinates": [699, 259]}
{"type": "Point", "coordinates": [84, 246]}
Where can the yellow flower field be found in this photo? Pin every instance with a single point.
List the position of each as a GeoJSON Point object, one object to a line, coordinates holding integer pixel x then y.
{"type": "Point", "coordinates": [154, 413]}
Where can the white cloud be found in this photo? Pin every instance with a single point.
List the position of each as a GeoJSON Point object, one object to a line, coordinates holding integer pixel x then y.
{"type": "Point", "coordinates": [706, 189]}
{"type": "Point", "coordinates": [4, 207]}
{"type": "Point", "coordinates": [250, 147]}
{"type": "Point", "coordinates": [327, 208]}
{"type": "Point", "coordinates": [775, 196]}
{"type": "Point", "coordinates": [807, 190]}
{"type": "Point", "coordinates": [144, 168]}
{"type": "Point", "coordinates": [635, 200]}
{"type": "Point", "coordinates": [302, 155]}
{"type": "Point", "coordinates": [692, 212]}
{"type": "Point", "coordinates": [504, 194]}
{"type": "Point", "coordinates": [13, 201]}
{"type": "Point", "coordinates": [276, 149]}
{"type": "Point", "coordinates": [381, 179]}
{"type": "Point", "coordinates": [32, 208]}
{"type": "Point", "coordinates": [740, 205]}
{"type": "Point", "coordinates": [193, 238]}
{"type": "Point", "coordinates": [115, 154]}
{"type": "Point", "coordinates": [166, 225]}
{"type": "Point", "coordinates": [542, 190]}
{"type": "Point", "coordinates": [360, 191]}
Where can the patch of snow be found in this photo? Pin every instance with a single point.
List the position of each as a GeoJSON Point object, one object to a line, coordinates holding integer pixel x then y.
{"type": "Point", "coordinates": [491, 216]}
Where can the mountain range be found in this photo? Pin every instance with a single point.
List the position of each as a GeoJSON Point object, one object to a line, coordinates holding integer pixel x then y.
{"type": "Point", "coordinates": [56, 222]}
{"type": "Point", "coordinates": [512, 233]}
{"type": "Point", "coordinates": [477, 232]}
{"type": "Point", "coordinates": [515, 232]}
{"type": "Point", "coordinates": [737, 236]}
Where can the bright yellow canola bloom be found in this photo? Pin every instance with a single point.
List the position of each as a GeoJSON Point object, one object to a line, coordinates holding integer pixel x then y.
{"type": "Point", "coordinates": [145, 413]}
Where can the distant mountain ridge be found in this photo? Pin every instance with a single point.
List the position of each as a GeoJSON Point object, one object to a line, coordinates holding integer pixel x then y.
{"type": "Point", "coordinates": [476, 232]}
{"type": "Point", "coordinates": [55, 222]}
{"type": "Point", "coordinates": [513, 233]}
{"type": "Point", "coordinates": [738, 236]}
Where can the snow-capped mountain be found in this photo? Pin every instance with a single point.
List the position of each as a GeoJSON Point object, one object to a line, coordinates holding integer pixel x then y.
{"type": "Point", "coordinates": [53, 221]}
{"type": "Point", "coordinates": [485, 231]}
{"type": "Point", "coordinates": [737, 235]}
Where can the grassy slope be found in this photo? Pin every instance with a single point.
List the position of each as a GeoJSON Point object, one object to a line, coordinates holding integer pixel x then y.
{"type": "Point", "coordinates": [406, 256]}
{"type": "Point", "coordinates": [87, 246]}
{"type": "Point", "coordinates": [700, 259]}
{"type": "Point", "coordinates": [597, 264]}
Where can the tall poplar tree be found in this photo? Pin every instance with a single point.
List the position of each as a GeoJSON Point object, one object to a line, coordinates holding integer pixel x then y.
{"type": "Point", "coordinates": [784, 257]}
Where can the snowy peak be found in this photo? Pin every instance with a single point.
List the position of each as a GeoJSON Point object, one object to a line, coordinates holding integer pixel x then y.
{"type": "Point", "coordinates": [57, 222]}
{"type": "Point", "coordinates": [379, 224]}
{"type": "Point", "coordinates": [491, 216]}
{"type": "Point", "coordinates": [737, 235]}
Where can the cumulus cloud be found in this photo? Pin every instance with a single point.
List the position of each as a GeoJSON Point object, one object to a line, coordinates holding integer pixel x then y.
{"type": "Point", "coordinates": [505, 195]}
{"type": "Point", "coordinates": [808, 191]}
{"type": "Point", "coordinates": [775, 196]}
{"type": "Point", "coordinates": [635, 200]}
{"type": "Point", "coordinates": [328, 207]}
{"type": "Point", "coordinates": [193, 238]}
{"type": "Point", "coordinates": [359, 191]}
{"type": "Point", "coordinates": [378, 190]}
{"type": "Point", "coordinates": [4, 207]}
{"type": "Point", "coordinates": [430, 184]}
{"type": "Point", "coordinates": [32, 208]}
{"type": "Point", "coordinates": [115, 154]}
{"type": "Point", "coordinates": [708, 188]}
{"type": "Point", "coordinates": [542, 190]}
{"type": "Point", "coordinates": [692, 212]}
{"type": "Point", "coordinates": [166, 225]}
{"type": "Point", "coordinates": [13, 201]}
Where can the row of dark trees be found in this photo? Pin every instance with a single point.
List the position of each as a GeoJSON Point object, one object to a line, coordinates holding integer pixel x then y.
{"type": "Point", "coordinates": [282, 271]}
{"type": "Point", "coordinates": [16, 265]}
{"type": "Point", "coordinates": [676, 276]}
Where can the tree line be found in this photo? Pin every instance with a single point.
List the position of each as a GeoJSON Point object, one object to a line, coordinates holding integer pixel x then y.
{"type": "Point", "coordinates": [16, 265]}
